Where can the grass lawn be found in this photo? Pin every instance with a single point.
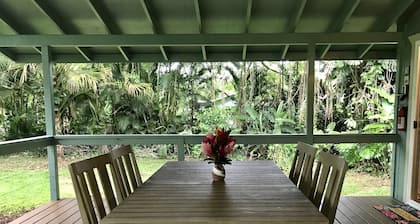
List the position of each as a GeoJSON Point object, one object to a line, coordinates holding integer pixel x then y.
{"type": "Point", "coordinates": [24, 182]}
{"type": "Point", "coordinates": [362, 184]}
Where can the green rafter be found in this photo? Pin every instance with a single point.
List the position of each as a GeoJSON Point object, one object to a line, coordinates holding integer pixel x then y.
{"type": "Point", "coordinates": [147, 8]}
{"type": "Point", "coordinates": [384, 22]}
{"type": "Point", "coordinates": [112, 27]}
{"type": "Point", "coordinates": [293, 22]}
{"type": "Point", "coordinates": [62, 24]}
{"type": "Point", "coordinates": [337, 24]}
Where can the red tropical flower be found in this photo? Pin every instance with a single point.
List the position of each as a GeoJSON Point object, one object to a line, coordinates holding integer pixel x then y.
{"type": "Point", "coordinates": [218, 145]}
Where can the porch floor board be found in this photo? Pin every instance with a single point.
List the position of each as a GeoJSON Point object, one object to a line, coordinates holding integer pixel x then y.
{"type": "Point", "coordinates": [351, 210]}
{"type": "Point", "coordinates": [359, 210]}
{"type": "Point", "coordinates": [63, 211]}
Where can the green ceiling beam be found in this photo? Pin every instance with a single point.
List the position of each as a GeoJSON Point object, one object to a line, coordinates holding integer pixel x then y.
{"type": "Point", "coordinates": [124, 53]}
{"type": "Point", "coordinates": [248, 15]}
{"type": "Point", "coordinates": [16, 26]}
{"type": "Point", "coordinates": [339, 20]}
{"type": "Point", "coordinates": [204, 53]}
{"type": "Point", "coordinates": [285, 50]}
{"type": "Point", "coordinates": [343, 15]}
{"type": "Point", "coordinates": [199, 57]}
{"type": "Point", "coordinates": [38, 49]}
{"type": "Point", "coordinates": [147, 8]}
{"type": "Point", "coordinates": [324, 50]}
{"type": "Point", "coordinates": [389, 18]}
{"type": "Point", "coordinates": [363, 51]}
{"type": "Point", "coordinates": [163, 52]}
{"type": "Point", "coordinates": [198, 16]}
{"type": "Point", "coordinates": [198, 39]}
{"type": "Point", "coordinates": [296, 15]}
{"type": "Point", "coordinates": [61, 23]}
{"type": "Point", "coordinates": [8, 53]}
{"type": "Point", "coordinates": [103, 15]}
{"type": "Point", "coordinates": [14, 23]}
{"type": "Point", "coordinates": [85, 53]}
{"type": "Point", "coordinates": [247, 22]}
{"type": "Point", "coordinates": [200, 26]}
{"type": "Point", "coordinates": [244, 52]}
{"type": "Point", "coordinates": [111, 26]}
{"type": "Point", "coordinates": [294, 21]}
{"type": "Point", "coordinates": [408, 14]}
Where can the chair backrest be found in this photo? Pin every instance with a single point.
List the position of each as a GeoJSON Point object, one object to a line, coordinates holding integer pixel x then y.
{"type": "Point", "coordinates": [126, 167]}
{"type": "Point", "coordinates": [327, 183]}
{"type": "Point", "coordinates": [96, 187]}
{"type": "Point", "coordinates": [301, 170]}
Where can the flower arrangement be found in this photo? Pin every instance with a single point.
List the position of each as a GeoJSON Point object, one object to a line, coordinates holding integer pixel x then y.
{"type": "Point", "coordinates": [217, 146]}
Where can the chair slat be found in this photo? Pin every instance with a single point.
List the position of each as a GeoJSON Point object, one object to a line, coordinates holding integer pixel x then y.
{"type": "Point", "coordinates": [136, 169]}
{"type": "Point", "coordinates": [95, 193]}
{"type": "Point", "coordinates": [129, 169]}
{"type": "Point", "coordinates": [301, 170]}
{"type": "Point", "coordinates": [119, 164]}
{"type": "Point", "coordinates": [320, 188]}
{"type": "Point", "coordinates": [107, 187]}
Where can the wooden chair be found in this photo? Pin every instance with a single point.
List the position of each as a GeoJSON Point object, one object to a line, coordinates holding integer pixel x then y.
{"type": "Point", "coordinates": [126, 167]}
{"type": "Point", "coordinates": [327, 183]}
{"type": "Point", "coordinates": [96, 188]}
{"type": "Point", "coordinates": [301, 170]}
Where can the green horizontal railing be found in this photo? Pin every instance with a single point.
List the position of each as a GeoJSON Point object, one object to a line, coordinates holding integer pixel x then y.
{"type": "Point", "coordinates": [240, 139]}
{"type": "Point", "coordinates": [26, 144]}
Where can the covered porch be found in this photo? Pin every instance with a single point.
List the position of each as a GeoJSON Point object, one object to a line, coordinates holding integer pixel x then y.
{"type": "Point", "coordinates": [51, 32]}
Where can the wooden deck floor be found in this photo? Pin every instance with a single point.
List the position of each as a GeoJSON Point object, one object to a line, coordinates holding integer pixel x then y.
{"type": "Point", "coordinates": [359, 210]}
{"type": "Point", "coordinates": [62, 211]}
{"type": "Point", "coordinates": [351, 210]}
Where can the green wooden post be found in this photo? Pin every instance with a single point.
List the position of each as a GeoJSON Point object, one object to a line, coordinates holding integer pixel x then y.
{"type": "Point", "coordinates": [181, 150]}
{"type": "Point", "coordinates": [310, 94]}
{"type": "Point", "coordinates": [399, 149]}
{"type": "Point", "coordinates": [49, 121]}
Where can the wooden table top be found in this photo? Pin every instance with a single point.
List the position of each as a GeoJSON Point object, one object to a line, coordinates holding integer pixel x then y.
{"type": "Point", "coordinates": [183, 192]}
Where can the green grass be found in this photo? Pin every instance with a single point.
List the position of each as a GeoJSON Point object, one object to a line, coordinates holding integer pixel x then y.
{"type": "Point", "coordinates": [24, 182]}
{"type": "Point", "coordinates": [23, 189]}
{"type": "Point", "coordinates": [362, 184]}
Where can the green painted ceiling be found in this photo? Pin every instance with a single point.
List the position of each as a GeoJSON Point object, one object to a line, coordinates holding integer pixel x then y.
{"type": "Point", "coordinates": [194, 17]}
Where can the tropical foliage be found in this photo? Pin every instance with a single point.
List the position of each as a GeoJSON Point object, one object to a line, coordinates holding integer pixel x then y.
{"type": "Point", "coordinates": [247, 97]}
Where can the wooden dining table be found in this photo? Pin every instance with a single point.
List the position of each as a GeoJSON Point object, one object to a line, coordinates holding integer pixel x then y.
{"type": "Point", "coordinates": [183, 192]}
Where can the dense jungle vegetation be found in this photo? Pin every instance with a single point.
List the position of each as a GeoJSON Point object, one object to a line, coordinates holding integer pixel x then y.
{"type": "Point", "coordinates": [193, 98]}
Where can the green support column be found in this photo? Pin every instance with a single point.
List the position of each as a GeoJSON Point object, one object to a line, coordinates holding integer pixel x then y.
{"type": "Point", "coordinates": [310, 94]}
{"type": "Point", "coordinates": [181, 150]}
{"type": "Point", "coordinates": [399, 150]}
{"type": "Point", "coordinates": [49, 121]}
